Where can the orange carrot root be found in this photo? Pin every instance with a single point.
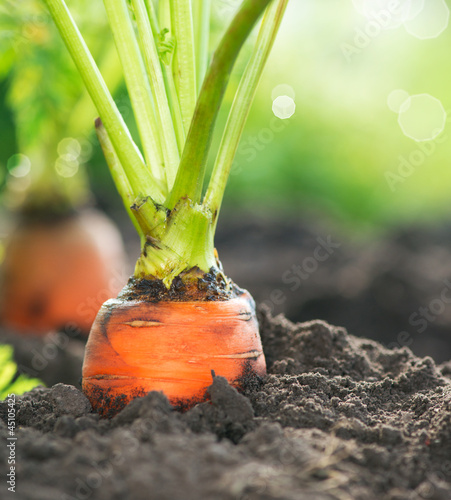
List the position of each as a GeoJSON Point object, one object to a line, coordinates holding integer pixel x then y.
{"type": "Point", "coordinates": [139, 346]}
{"type": "Point", "coordinates": [58, 274]}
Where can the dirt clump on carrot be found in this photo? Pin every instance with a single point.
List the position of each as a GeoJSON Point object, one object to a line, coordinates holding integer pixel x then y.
{"type": "Point", "coordinates": [192, 285]}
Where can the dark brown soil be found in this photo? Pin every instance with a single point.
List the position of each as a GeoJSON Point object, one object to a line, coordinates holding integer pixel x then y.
{"type": "Point", "coordinates": [394, 287]}
{"type": "Point", "coordinates": [337, 417]}
{"type": "Point", "coordinates": [193, 285]}
{"type": "Point", "coordinates": [53, 358]}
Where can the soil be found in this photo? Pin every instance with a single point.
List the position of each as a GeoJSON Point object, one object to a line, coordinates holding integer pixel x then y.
{"type": "Point", "coordinates": [337, 417]}
{"type": "Point", "coordinates": [386, 287]}
{"type": "Point", "coordinates": [53, 358]}
{"type": "Point", "coordinates": [193, 285]}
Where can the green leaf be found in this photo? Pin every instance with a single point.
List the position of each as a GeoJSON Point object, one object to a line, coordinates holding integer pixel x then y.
{"type": "Point", "coordinates": [10, 381]}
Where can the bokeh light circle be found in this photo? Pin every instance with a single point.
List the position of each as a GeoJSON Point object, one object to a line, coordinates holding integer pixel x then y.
{"type": "Point", "coordinates": [69, 146]}
{"type": "Point", "coordinates": [388, 14]}
{"type": "Point", "coordinates": [66, 166]}
{"type": "Point", "coordinates": [396, 99]}
{"type": "Point", "coordinates": [283, 89]}
{"type": "Point", "coordinates": [422, 117]}
{"type": "Point", "coordinates": [283, 107]}
{"type": "Point", "coordinates": [431, 20]}
{"type": "Point", "coordinates": [416, 6]}
{"type": "Point", "coordinates": [19, 165]}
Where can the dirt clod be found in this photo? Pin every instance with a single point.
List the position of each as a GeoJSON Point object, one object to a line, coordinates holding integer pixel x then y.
{"type": "Point", "coordinates": [67, 400]}
{"type": "Point", "coordinates": [228, 414]}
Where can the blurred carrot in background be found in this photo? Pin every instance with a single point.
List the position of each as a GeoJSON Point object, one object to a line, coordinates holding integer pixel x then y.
{"type": "Point", "coordinates": [61, 261]}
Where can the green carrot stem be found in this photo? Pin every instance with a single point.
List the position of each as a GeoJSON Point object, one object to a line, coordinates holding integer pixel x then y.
{"type": "Point", "coordinates": [155, 75]}
{"type": "Point", "coordinates": [127, 151]}
{"type": "Point", "coordinates": [183, 242]}
{"type": "Point", "coordinates": [80, 120]}
{"type": "Point", "coordinates": [202, 10]}
{"type": "Point", "coordinates": [152, 15]}
{"type": "Point", "coordinates": [242, 105]}
{"type": "Point", "coordinates": [164, 14]}
{"type": "Point", "coordinates": [190, 175]}
{"type": "Point", "coordinates": [174, 104]}
{"type": "Point", "coordinates": [184, 65]}
{"type": "Point", "coordinates": [163, 21]}
{"type": "Point", "coordinates": [176, 230]}
{"type": "Point", "coordinates": [118, 174]}
{"type": "Point", "coordinates": [137, 85]}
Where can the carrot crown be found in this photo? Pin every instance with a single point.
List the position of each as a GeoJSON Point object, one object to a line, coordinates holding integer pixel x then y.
{"type": "Point", "coordinates": [176, 96]}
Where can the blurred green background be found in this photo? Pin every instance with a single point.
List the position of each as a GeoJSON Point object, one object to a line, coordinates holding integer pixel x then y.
{"type": "Point", "coordinates": [336, 61]}
{"type": "Point", "coordinates": [335, 152]}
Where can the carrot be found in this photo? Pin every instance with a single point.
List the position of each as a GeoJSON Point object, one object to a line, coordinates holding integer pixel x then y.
{"type": "Point", "coordinates": [58, 272]}
{"type": "Point", "coordinates": [172, 347]}
{"type": "Point", "coordinates": [180, 317]}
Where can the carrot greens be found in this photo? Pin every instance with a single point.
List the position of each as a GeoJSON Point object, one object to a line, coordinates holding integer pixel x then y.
{"type": "Point", "coordinates": [176, 95]}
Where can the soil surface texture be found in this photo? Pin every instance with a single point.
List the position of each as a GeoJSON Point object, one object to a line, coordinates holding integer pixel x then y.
{"type": "Point", "coordinates": [394, 287]}
{"type": "Point", "coordinates": [337, 417]}
{"type": "Point", "coordinates": [53, 358]}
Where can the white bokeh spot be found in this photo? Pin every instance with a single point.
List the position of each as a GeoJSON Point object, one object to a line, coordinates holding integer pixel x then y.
{"type": "Point", "coordinates": [422, 117]}
{"type": "Point", "coordinates": [388, 14]}
{"type": "Point", "coordinates": [85, 150]}
{"type": "Point", "coordinates": [396, 99]}
{"type": "Point", "coordinates": [69, 146]}
{"type": "Point", "coordinates": [66, 166]}
{"type": "Point", "coordinates": [18, 165]}
{"type": "Point", "coordinates": [283, 107]}
{"type": "Point", "coordinates": [416, 6]}
{"type": "Point", "coordinates": [423, 19]}
{"type": "Point", "coordinates": [430, 21]}
{"type": "Point", "coordinates": [283, 89]}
